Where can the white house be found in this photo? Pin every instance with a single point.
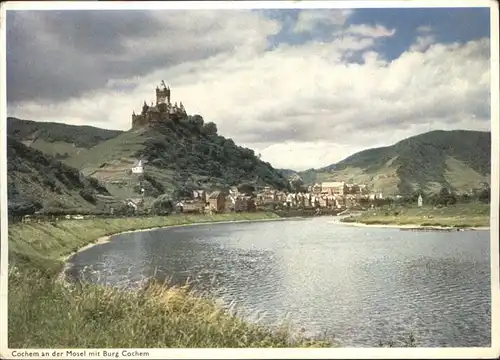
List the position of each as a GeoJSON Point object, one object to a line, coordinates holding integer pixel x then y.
{"type": "Point", "coordinates": [138, 169]}
{"type": "Point", "coordinates": [179, 205]}
{"type": "Point", "coordinates": [132, 204]}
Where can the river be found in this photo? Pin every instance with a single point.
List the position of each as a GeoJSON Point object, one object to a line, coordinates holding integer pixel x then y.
{"type": "Point", "coordinates": [361, 285]}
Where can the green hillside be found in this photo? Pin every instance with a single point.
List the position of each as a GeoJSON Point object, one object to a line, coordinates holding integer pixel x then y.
{"type": "Point", "coordinates": [37, 181]}
{"type": "Point", "coordinates": [459, 160]}
{"type": "Point", "coordinates": [181, 155]}
{"type": "Point", "coordinates": [287, 172]}
{"type": "Point", "coordinates": [56, 139]}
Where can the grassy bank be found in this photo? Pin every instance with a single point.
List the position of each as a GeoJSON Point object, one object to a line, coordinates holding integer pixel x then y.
{"type": "Point", "coordinates": [46, 313]}
{"type": "Point", "coordinates": [288, 213]}
{"type": "Point", "coordinates": [471, 215]}
{"type": "Point", "coordinates": [43, 245]}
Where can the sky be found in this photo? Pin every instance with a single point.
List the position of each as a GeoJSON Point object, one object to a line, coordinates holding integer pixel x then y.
{"type": "Point", "coordinates": [304, 88]}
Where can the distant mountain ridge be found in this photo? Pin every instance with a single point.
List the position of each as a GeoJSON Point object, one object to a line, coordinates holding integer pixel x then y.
{"type": "Point", "coordinates": [186, 153]}
{"type": "Point", "coordinates": [459, 160]}
{"type": "Point", "coordinates": [287, 172]}
{"type": "Point", "coordinates": [57, 139]}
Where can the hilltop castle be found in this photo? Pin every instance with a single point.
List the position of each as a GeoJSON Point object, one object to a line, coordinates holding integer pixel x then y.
{"type": "Point", "coordinates": [162, 111]}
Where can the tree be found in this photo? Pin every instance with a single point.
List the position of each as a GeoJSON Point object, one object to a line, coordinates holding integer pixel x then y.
{"type": "Point", "coordinates": [485, 195]}
{"type": "Point", "coordinates": [246, 188]}
{"type": "Point", "coordinates": [26, 207]}
{"type": "Point", "coordinates": [197, 121]}
{"type": "Point", "coordinates": [210, 128]}
{"type": "Point", "coordinates": [88, 195]}
{"type": "Point", "coordinates": [124, 210]}
{"type": "Point", "coordinates": [446, 197]}
{"type": "Point", "coordinates": [184, 191]}
{"type": "Point", "coordinates": [162, 205]}
{"type": "Point", "coordinates": [296, 184]}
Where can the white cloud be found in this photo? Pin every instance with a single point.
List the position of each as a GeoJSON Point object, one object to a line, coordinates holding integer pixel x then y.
{"type": "Point", "coordinates": [424, 39]}
{"type": "Point", "coordinates": [422, 43]}
{"type": "Point", "coordinates": [370, 31]}
{"type": "Point", "coordinates": [309, 20]}
{"type": "Point", "coordinates": [202, 30]}
{"type": "Point", "coordinates": [301, 106]}
{"type": "Point", "coordinates": [310, 154]}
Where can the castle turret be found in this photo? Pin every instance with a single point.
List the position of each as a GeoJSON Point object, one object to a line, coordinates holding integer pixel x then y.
{"type": "Point", "coordinates": [158, 112]}
{"type": "Point", "coordinates": [163, 94]}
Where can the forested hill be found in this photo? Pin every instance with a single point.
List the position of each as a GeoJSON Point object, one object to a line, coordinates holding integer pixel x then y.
{"type": "Point", "coordinates": [181, 155]}
{"type": "Point", "coordinates": [56, 139]}
{"type": "Point", "coordinates": [36, 181]}
{"type": "Point", "coordinates": [459, 160]}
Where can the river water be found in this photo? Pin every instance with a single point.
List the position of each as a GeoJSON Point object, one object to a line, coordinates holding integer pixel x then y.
{"type": "Point", "coordinates": [361, 285]}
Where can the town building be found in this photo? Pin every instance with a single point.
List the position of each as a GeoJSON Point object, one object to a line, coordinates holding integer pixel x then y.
{"type": "Point", "coordinates": [190, 206]}
{"type": "Point", "coordinates": [334, 188]}
{"type": "Point", "coordinates": [200, 195]}
{"type": "Point", "coordinates": [216, 201]}
{"type": "Point", "coordinates": [316, 189]}
{"type": "Point", "coordinates": [323, 202]}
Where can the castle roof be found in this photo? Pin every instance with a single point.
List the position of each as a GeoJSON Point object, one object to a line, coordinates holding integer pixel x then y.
{"type": "Point", "coordinates": [153, 109]}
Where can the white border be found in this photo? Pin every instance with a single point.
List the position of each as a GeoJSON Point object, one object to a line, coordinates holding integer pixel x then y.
{"type": "Point", "coordinates": [262, 353]}
{"type": "Point", "coordinates": [220, 5]}
{"type": "Point", "coordinates": [4, 251]}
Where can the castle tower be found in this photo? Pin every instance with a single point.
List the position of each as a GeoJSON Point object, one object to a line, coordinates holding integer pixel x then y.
{"type": "Point", "coordinates": [155, 113]}
{"type": "Point", "coordinates": [163, 94]}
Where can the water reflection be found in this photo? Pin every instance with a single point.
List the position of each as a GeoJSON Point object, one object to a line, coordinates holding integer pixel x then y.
{"type": "Point", "coordinates": [363, 285]}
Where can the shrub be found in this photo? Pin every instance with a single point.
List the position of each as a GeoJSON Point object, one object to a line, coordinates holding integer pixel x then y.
{"type": "Point", "coordinates": [163, 205]}
{"type": "Point", "coordinates": [88, 195]}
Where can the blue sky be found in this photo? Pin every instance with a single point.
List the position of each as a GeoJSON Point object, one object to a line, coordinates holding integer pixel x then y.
{"type": "Point", "coordinates": [301, 87]}
{"type": "Point", "coordinates": [447, 24]}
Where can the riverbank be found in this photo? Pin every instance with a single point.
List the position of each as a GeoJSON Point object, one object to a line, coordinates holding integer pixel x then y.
{"type": "Point", "coordinates": [306, 213]}
{"type": "Point", "coordinates": [406, 227]}
{"type": "Point", "coordinates": [180, 220]}
{"type": "Point", "coordinates": [54, 242]}
{"type": "Point", "coordinates": [45, 313]}
{"type": "Point", "coordinates": [451, 218]}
